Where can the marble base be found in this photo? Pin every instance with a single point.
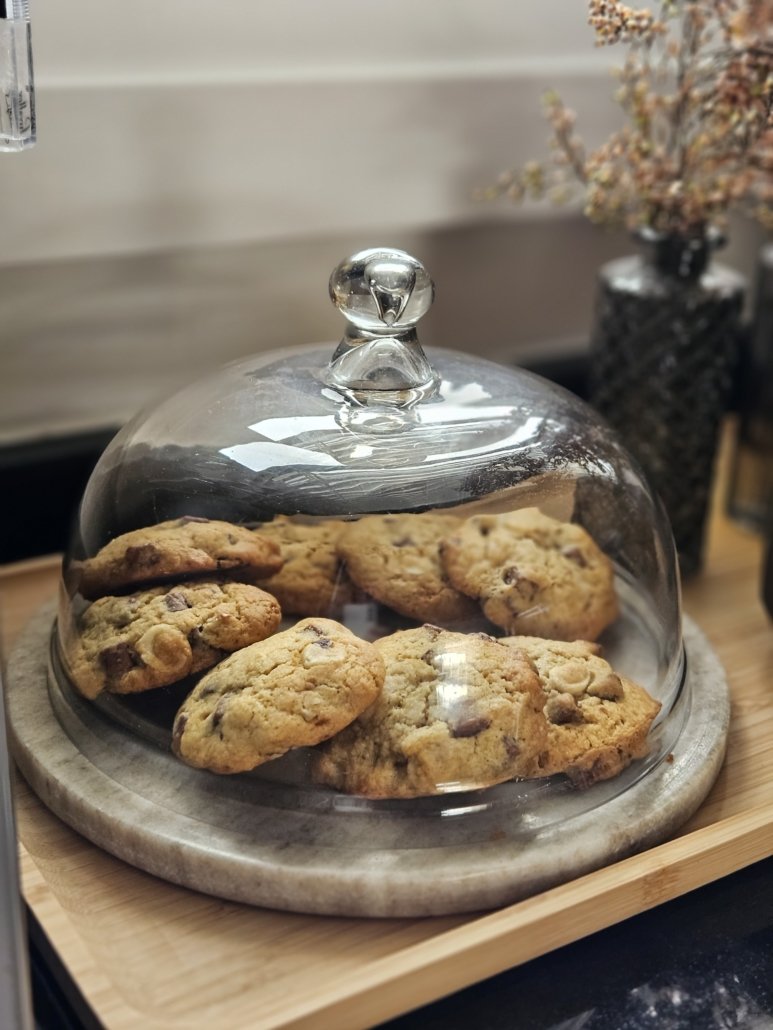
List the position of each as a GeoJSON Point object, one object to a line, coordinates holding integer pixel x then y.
{"type": "Point", "coordinates": [264, 842]}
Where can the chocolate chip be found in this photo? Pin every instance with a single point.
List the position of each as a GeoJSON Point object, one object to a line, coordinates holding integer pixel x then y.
{"type": "Point", "coordinates": [525, 586]}
{"type": "Point", "coordinates": [511, 746]}
{"type": "Point", "coordinates": [190, 518]}
{"type": "Point", "coordinates": [404, 541]}
{"type": "Point", "coordinates": [219, 712]}
{"type": "Point", "coordinates": [574, 554]}
{"type": "Point", "coordinates": [484, 530]}
{"type": "Point", "coordinates": [143, 555]}
{"type": "Point", "coordinates": [175, 602]}
{"type": "Point", "coordinates": [470, 727]}
{"type": "Point", "coordinates": [179, 728]}
{"type": "Point", "coordinates": [119, 659]}
{"type": "Point", "coordinates": [561, 709]}
{"type": "Point", "coordinates": [232, 539]}
{"type": "Point", "coordinates": [311, 628]}
{"type": "Point", "coordinates": [433, 632]}
{"type": "Point", "coordinates": [429, 657]}
{"type": "Point", "coordinates": [584, 778]}
{"type": "Point", "coordinates": [325, 642]}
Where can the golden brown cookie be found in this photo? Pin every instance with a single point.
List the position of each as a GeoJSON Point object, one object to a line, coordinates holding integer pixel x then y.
{"type": "Point", "coordinates": [457, 711]}
{"type": "Point", "coordinates": [395, 559]}
{"type": "Point", "coordinates": [312, 580]}
{"type": "Point", "coordinates": [295, 689]}
{"type": "Point", "coordinates": [170, 550]}
{"type": "Point", "coordinates": [155, 637]}
{"type": "Point", "coordinates": [533, 574]}
{"type": "Point", "coordinates": [597, 721]}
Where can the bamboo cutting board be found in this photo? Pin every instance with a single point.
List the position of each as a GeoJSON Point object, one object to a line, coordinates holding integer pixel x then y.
{"type": "Point", "coordinates": [147, 953]}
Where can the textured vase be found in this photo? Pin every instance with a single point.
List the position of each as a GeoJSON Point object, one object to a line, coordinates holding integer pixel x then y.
{"type": "Point", "coordinates": [663, 349]}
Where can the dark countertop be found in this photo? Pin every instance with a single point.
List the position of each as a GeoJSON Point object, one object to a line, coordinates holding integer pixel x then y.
{"type": "Point", "coordinates": [704, 960]}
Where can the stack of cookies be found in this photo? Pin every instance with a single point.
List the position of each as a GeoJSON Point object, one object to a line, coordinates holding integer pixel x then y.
{"type": "Point", "coordinates": [496, 675]}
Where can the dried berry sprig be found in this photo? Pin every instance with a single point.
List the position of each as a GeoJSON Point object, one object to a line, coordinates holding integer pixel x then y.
{"type": "Point", "coordinates": [696, 89]}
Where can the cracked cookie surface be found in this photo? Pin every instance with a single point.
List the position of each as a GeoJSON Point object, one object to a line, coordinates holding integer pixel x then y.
{"type": "Point", "coordinates": [312, 580]}
{"type": "Point", "coordinates": [533, 575]}
{"type": "Point", "coordinates": [457, 711]}
{"type": "Point", "coordinates": [395, 559]}
{"type": "Point", "coordinates": [598, 722]}
{"type": "Point", "coordinates": [156, 637]}
{"type": "Point", "coordinates": [295, 689]}
{"type": "Point", "coordinates": [181, 547]}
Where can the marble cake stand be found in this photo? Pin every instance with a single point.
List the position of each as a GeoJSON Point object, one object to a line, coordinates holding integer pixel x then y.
{"type": "Point", "coordinates": [311, 850]}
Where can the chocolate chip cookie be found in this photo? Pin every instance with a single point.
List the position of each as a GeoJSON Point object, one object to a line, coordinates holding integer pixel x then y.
{"type": "Point", "coordinates": [297, 688]}
{"type": "Point", "coordinates": [312, 580]}
{"type": "Point", "coordinates": [533, 574]}
{"type": "Point", "coordinates": [155, 637]}
{"type": "Point", "coordinates": [395, 559]}
{"type": "Point", "coordinates": [597, 721]}
{"type": "Point", "coordinates": [182, 547]}
{"type": "Point", "coordinates": [457, 711]}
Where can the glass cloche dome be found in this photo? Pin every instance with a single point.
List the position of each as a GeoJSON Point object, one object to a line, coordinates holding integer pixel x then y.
{"type": "Point", "coordinates": [374, 579]}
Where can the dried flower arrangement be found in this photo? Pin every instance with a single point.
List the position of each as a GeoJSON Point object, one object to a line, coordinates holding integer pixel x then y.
{"type": "Point", "coordinates": [697, 89]}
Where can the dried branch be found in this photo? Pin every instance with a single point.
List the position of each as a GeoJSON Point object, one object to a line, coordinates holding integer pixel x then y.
{"type": "Point", "coordinates": [696, 89]}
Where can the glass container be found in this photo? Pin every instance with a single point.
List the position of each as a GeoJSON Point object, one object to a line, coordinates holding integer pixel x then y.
{"type": "Point", "coordinates": [475, 580]}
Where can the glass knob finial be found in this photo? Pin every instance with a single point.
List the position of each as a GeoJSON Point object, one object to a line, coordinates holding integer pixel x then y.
{"type": "Point", "coordinates": [382, 292]}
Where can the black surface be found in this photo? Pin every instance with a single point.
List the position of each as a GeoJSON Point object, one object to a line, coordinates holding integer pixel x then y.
{"type": "Point", "coordinates": [767, 576]}
{"type": "Point", "coordinates": [57, 1003]}
{"type": "Point", "coordinates": [42, 483]}
{"type": "Point", "coordinates": [704, 960]}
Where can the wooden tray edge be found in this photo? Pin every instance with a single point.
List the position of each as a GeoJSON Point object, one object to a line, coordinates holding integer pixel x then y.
{"type": "Point", "coordinates": [507, 938]}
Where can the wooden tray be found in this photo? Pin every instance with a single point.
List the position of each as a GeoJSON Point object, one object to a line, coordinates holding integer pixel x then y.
{"type": "Point", "coordinates": [146, 953]}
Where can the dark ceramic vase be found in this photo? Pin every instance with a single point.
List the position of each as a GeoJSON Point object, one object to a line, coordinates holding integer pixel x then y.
{"type": "Point", "coordinates": [663, 350]}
